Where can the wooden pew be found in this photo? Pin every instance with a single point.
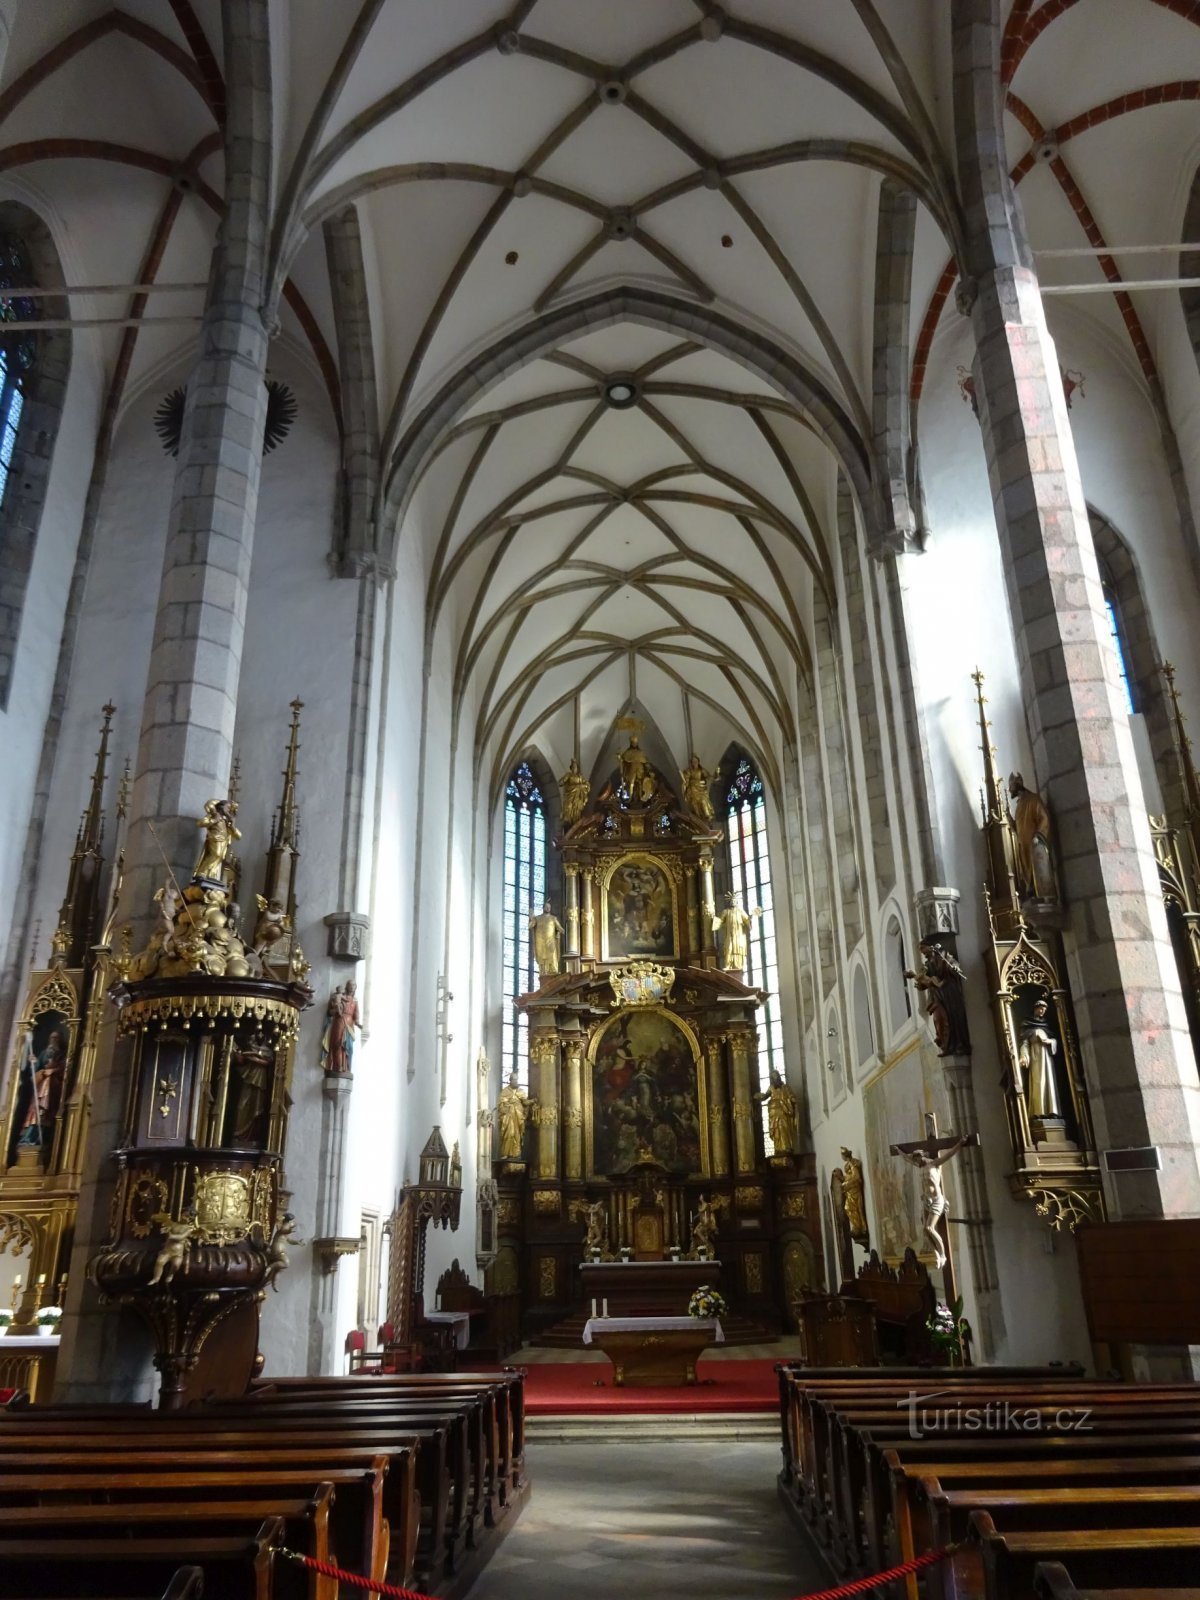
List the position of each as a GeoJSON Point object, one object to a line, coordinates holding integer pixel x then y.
{"type": "Point", "coordinates": [1001, 1566]}
{"type": "Point", "coordinates": [186, 1584]}
{"type": "Point", "coordinates": [1052, 1581]}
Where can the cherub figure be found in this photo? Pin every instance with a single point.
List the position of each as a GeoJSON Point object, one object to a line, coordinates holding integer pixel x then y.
{"type": "Point", "coordinates": [277, 1256]}
{"type": "Point", "coordinates": [172, 1258]}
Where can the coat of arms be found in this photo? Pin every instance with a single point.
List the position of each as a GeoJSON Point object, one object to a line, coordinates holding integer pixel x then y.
{"type": "Point", "coordinates": [642, 983]}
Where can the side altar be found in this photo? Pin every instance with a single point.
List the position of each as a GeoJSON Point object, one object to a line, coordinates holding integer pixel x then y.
{"type": "Point", "coordinates": [641, 1137]}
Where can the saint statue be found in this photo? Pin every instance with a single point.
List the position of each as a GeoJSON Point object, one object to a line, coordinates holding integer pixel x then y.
{"type": "Point", "coordinates": [1031, 823]}
{"type": "Point", "coordinates": [595, 1240]}
{"type": "Point", "coordinates": [853, 1196]}
{"type": "Point", "coordinates": [252, 1064]}
{"type": "Point", "coordinates": [695, 789]}
{"type": "Point", "coordinates": [704, 1229]}
{"type": "Point", "coordinates": [512, 1107]}
{"type": "Point", "coordinates": [933, 1194]}
{"type": "Point", "coordinates": [575, 790]}
{"type": "Point", "coordinates": [219, 834]}
{"type": "Point", "coordinates": [1036, 1057]}
{"type": "Point", "coordinates": [637, 775]}
{"type": "Point", "coordinates": [783, 1116]}
{"type": "Point", "coordinates": [547, 933]}
{"type": "Point", "coordinates": [455, 1167]}
{"type": "Point", "coordinates": [341, 1030]}
{"type": "Point", "coordinates": [734, 925]}
{"type": "Point", "coordinates": [47, 1072]}
{"type": "Point", "coordinates": [945, 1005]}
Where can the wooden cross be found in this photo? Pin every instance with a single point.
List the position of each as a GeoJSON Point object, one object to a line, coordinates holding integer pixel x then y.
{"type": "Point", "coordinates": [929, 1156]}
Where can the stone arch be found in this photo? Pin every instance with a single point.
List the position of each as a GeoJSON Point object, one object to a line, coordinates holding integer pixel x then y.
{"type": "Point", "coordinates": [649, 307]}
{"type": "Point", "coordinates": [862, 1025]}
{"type": "Point", "coordinates": [894, 960]}
{"type": "Point", "coordinates": [44, 391]}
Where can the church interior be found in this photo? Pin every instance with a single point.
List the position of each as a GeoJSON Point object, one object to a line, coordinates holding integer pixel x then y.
{"type": "Point", "coordinates": [600, 835]}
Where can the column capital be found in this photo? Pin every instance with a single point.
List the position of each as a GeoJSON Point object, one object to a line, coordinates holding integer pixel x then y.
{"type": "Point", "coordinates": [349, 935]}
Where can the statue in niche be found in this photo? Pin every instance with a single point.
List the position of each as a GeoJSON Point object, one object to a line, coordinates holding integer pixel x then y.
{"type": "Point", "coordinates": [512, 1108]}
{"type": "Point", "coordinates": [695, 789]}
{"type": "Point", "coordinates": [252, 1064]}
{"type": "Point", "coordinates": [637, 775]}
{"type": "Point", "coordinates": [783, 1115]}
{"type": "Point", "coordinates": [47, 1071]}
{"type": "Point", "coordinates": [455, 1167]}
{"type": "Point", "coordinates": [853, 1197]}
{"type": "Point", "coordinates": [945, 1004]}
{"type": "Point", "coordinates": [704, 1230]}
{"type": "Point", "coordinates": [1031, 824]}
{"type": "Point", "coordinates": [575, 790]}
{"type": "Point", "coordinates": [341, 1031]}
{"type": "Point", "coordinates": [547, 933]}
{"type": "Point", "coordinates": [219, 834]}
{"type": "Point", "coordinates": [733, 925]}
{"type": "Point", "coordinates": [1036, 1056]}
{"type": "Point", "coordinates": [595, 1240]}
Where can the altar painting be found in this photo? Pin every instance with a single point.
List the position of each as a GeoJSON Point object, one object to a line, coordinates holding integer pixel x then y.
{"type": "Point", "coordinates": [646, 1104]}
{"type": "Point", "coordinates": [894, 1107]}
{"type": "Point", "coordinates": [639, 911]}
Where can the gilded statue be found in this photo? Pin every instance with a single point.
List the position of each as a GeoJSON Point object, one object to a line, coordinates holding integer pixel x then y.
{"type": "Point", "coordinates": [637, 775]}
{"type": "Point", "coordinates": [595, 1240]}
{"type": "Point", "coordinates": [575, 790]}
{"type": "Point", "coordinates": [695, 789]}
{"type": "Point", "coordinates": [853, 1197]}
{"type": "Point", "coordinates": [547, 933]}
{"type": "Point", "coordinates": [1031, 824]}
{"type": "Point", "coordinates": [704, 1229]}
{"type": "Point", "coordinates": [783, 1114]}
{"type": "Point", "coordinates": [271, 929]}
{"type": "Point", "coordinates": [277, 1256]}
{"type": "Point", "coordinates": [219, 834]}
{"type": "Point", "coordinates": [734, 926]}
{"type": "Point", "coordinates": [512, 1108]}
{"type": "Point", "coordinates": [1036, 1058]}
{"type": "Point", "coordinates": [176, 1247]}
{"type": "Point", "coordinates": [945, 1004]}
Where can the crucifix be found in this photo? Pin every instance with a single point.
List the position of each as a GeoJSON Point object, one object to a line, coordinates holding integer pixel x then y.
{"type": "Point", "coordinates": [929, 1156]}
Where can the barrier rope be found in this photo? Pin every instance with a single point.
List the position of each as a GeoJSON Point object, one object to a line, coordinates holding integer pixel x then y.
{"type": "Point", "coordinates": [393, 1591]}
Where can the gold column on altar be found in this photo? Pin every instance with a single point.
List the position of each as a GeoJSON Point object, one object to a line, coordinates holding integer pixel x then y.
{"type": "Point", "coordinates": [740, 1045]}
{"type": "Point", "coordinates": [708, 905]}
{"type": "Point", "coordinates": [573, 1113]}
{"type": "Point", "coordinates": [543, 1055]}
{"type": "Point", "coordinates": [571, 869]}
{"type": "Point", "coordinates": [587, 916]}
{"type": "Point", "coordinates": [718, 1108]}
{"type": "Point", "coordinates": [693, 913]}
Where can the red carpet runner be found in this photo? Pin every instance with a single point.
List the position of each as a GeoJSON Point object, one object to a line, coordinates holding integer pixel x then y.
{"type": "Point", "coordinates": [554, 1387]}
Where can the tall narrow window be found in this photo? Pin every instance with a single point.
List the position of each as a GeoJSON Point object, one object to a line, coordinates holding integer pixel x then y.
{"type": "Point", "coordinates": [750, 876]}
{"type": "Point", "coordinates": [1114, 626]}
{"type": "Point", "coordinates": [524, 891]}
{"type": "Point", "coordinates": [16, 349]}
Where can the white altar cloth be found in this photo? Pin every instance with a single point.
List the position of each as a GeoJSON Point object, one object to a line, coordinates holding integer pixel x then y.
{"type": "Point", "coordinates": [462, 1325]}
{"type": "Point", "coordinates": [29, 1341]}
{"type": "Point", "coordinates": [603, 1325]}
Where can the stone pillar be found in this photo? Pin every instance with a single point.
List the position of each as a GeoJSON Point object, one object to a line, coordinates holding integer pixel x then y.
{"type": "Point", "coordinates": [543, 1055]}
{"type": "Point", "coordinates": [740, 1045]}
{"type": "Point", "coordinates": [185, 743]}
{"type": "Point", "coordinates": [708, 907]}
{"type": "Point", "coordinates": [573, 1116]}
{"type": "Point", "coordinates": [587, 947]}
{"type": "Point", "coordinates": [571, 869]}
{"type": "Point", "coordinates": [718, 1108]}
{"type": "Point", "coordinates": [1133, 1032]}
{"type": "Point", "coordinates": [322, 1341]}
{"type": "Point", "coordinates": [693, 914]}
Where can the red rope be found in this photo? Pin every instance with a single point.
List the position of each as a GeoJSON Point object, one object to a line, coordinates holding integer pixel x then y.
{"type": "Point", "coordinates": [395, 1592]}
{"type": "Point", "coordinates": [862, 1585]}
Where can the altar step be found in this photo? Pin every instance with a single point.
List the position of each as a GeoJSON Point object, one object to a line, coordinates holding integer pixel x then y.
{"type": "Point", "coordinates": [652, 1427]}
{"type": "Point", "coordinates": [568, 1334]}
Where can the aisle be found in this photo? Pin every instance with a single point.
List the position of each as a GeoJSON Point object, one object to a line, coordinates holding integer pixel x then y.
{"type": "Point", "coordinates": [619, 1520]}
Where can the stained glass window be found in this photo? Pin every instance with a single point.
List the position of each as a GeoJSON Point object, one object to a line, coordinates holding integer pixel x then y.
{"type": "Point", "coordinates": [16, 349]}
{"type": "Point", "coordinates": [750, 876]}
{"type": "Point", "coordinates": [1114, 625]}
{"type": "Point", "coordinates": [524, 891]}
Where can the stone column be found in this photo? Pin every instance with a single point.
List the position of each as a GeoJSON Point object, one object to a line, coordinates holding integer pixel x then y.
{"type": "Point", "coordinates": [708, 906]}
{"type": "Point", "coordinates": [740, 1045]}
{"type": "Point", "coordinates": [543, 1055]}
{"type": "Point", "coordinates": [1132, 1026]}
{"type": "Point", "coordinates": [588, 917]}
{"type": "Point", "coordinates": [571, 869]}
{"type": "Point", "coordinates": [718, 1108]}
{"type": "Point", "coordinates": [573, 1117]}
{"type": "Point", "coordinates": [186, 736]}
{"type": "Point", "coordinates": [335, 1092]}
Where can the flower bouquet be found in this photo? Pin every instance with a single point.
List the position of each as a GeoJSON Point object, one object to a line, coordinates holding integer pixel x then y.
{"type": "Point", "coordinates": [48, 1318]}
{"type": "Point", "coordinates": [5, 1318]}
{"type": "Point", "coordinates": [706, 1304]}
{"type": "Point", "coordinates": [950, 1332]}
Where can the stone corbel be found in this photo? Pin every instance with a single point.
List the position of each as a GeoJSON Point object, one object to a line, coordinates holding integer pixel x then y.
{"type": "Point", "coordinates": [329, 1251]}
{"type": "Point", "coordinates": [937, 912]}
{"type": "Point", "coordinates": [349, 935]}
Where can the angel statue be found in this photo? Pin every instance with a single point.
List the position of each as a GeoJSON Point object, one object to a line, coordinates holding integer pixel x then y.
{"type": "Point", "coordinates": [575, 789]}
{"type": "Point", "coordinates": [695, 789]}
{"type": "Point", "coordinates": [219, 834]}
{"type": "Point", "coordinates": [734, 925]}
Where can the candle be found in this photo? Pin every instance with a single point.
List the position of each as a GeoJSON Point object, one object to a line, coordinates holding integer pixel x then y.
{"type": "Point", "coordinates": [41, 1279]}
{"type": "Point", "coordinates": [593, 1308]}
{"type": "Point", "coordinates": [17, 1281]}
{"type": "Point", "coordinates": [604, 1312]}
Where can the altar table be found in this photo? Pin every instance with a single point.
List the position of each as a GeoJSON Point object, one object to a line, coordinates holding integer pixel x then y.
{"type": "Point", "coordinates": [646, 1288]}
{"type": "Point", "coordinates": [460, 1321]}
{"type": "Point", "coordinates": [653, 1351]}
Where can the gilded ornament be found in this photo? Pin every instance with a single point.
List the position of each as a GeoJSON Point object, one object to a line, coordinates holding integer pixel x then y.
{"type": "Point", "coordinates": [508, 1213]}
{"type": "Point", "coordinates": [752, 1268]}
{"type": "Point", "coordinates": [543, 1048]}
{"type": "Point", "coordinates": [573, 1117]}
{"type": "Point", "coordinates": [641, 983]}
{"type": "Point", "coordinates": [147, 1200]}
{"type": "Point", "coordinates": [741, 1111]}
{"type": "Point", "coordinates": [546, 1201]}
{"type": "Point", "coordinates": [749, 1198]}
{"type": "Point", "coordinates": [222, 1205]}
{"type": "Point", "coordinates": [547, 1276]}
{"type": "Point", "coordinates": [795, 1205]}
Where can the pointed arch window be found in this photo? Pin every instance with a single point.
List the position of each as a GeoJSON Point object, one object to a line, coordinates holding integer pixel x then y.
{"type": "Point", "coordinates": [1117, 632]}
{"type": "Point", "coordinates": [16, 349]}
{"type": "Point", "coordinates": [524, 891]}
{"type": "Point", "coordinates": [750, 876]}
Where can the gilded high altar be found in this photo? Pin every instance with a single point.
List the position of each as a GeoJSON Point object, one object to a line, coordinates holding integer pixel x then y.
{"type": "Point", "coordinates": [644, 1075]}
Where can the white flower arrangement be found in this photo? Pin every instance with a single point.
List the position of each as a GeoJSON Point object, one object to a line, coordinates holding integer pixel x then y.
{"type": "Point", "coordinates": [49, 1315]}
{"type": "Point", "coordinates": [706, 1304]}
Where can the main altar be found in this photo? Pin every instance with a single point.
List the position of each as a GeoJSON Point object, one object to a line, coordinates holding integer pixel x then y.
{"type": "Point", "coordinates": [639, 1148]}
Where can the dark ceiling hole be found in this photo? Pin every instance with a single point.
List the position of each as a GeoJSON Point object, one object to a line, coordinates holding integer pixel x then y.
{"type": "Point", "coordinates": [511, 259]}
{"type": "Point", "coordinates": [726, 242]}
